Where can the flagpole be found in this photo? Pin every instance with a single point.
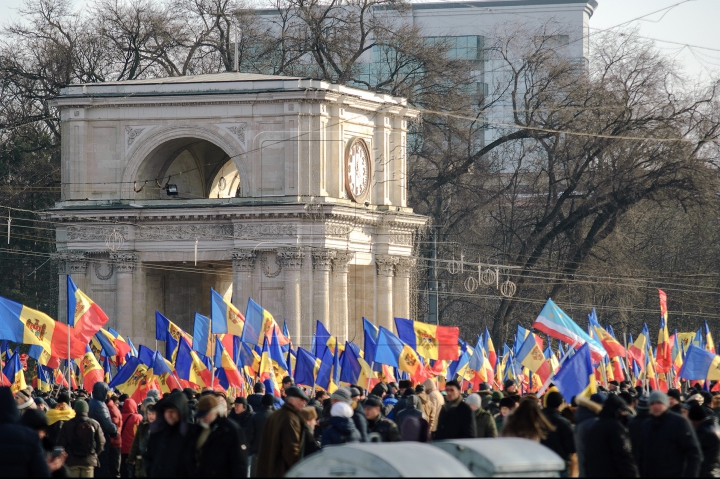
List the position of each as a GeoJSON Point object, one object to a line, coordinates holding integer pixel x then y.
{"type": "Point", "coordinates": [68, 343]}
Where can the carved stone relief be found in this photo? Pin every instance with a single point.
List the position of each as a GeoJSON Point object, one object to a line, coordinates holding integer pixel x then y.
{"type": "Point", "coordinates": [246, 231]}
{"type": "Point", "coordinates": [125, 262]}
{"type": "Point", "coordinates": [290, 258]}
{"type": "Point", "coordinates": [243, 260]}
{"type": "Point", "coordinates": [341, 261]}
{"type": "Point", "coordinates": [185, 232]}
{"type": "Point", "coordinates": [322, 260]}
{"type": "Point", "coordinates": [133, 133]}
{"type": "Point", "coordinates": [385, 264]}
{"type": "Point", "coordinates": [405, 266]}
{"type": "Point", "coordinates": [94, 233]}
{"type": "Point", "coordinates": [237, 130]}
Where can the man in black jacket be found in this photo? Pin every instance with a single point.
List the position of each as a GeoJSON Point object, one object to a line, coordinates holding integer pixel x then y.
{"type": "Point", "coordinates": [255, 398]}
{"type": "Point", "coordinates": [241, 413]}
{"type": "Point", "coordinates": [216, 447]}
{"type": "Point", "coordinates": [20, 452]}
{"type": "Point", "coordinates": [377, 424]}
{"type": "Point", "coordinates": [562, 439]}
{"type": "Point", "coordinates": [610, 454]}
{"type": "Point", "coordinates": [169, 435]}
{"type": "Point", "coordinates": [708, 434]}
{"type": "Point", "coordinates": [456, 419]}
{"type": "Point", "coordinates": [669, 447]}
{"type": "Point", "coordinates": [256, 425]}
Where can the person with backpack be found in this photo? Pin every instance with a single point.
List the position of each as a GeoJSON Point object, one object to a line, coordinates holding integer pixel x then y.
{"type": "Point", "coordinates": [83, 441]}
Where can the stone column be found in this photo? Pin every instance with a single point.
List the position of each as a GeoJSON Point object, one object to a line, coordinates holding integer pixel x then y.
{"type": "Point", "coordinates": [339, 307]}
{"type": "Point", "coordinates": [384, 293]}
{"type": "Point", "coordinates": [243, 266]}
{"type": "Point", "coordinates": [401, 287]}
{"type": "Point", "coordinates": [291, 261]}
{"type": "Point", "coordinates": [75, 264]}
{"type": "Point", "coordinates": [125, 266]}
{"type": "Point", "coordinates": [322, 261]}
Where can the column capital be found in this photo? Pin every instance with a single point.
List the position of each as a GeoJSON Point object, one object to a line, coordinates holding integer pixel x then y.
{"type": "Point", "coordinates": [341, 261]}
{"type": "Point", "coordinates": [243, 259]}
{"type": "Point", "coordinates": [290, 258]}
{"type": "Point", "coordinates": [124, 261]}
{"type": "Point", "coordinates": [385, 264]}
{"type": "Point", "coordinates": [322, 259]}
{"type": "Point", "coordinates": [405, 265]}
{"type": "Point", "coordinates": [72, 262]}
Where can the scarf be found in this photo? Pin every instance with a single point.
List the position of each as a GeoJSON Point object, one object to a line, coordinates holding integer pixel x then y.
{"type": "Point", "coordinates": [62, 412]}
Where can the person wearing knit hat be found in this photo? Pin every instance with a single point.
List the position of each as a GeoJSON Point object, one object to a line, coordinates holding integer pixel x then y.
{"type": "Point", "coordinates": [24, 401]}
{"type": "Point", "coordinates": [484, 421]}
{"type": "Point", "coordinates": [668, 446]}
{"type": "Point", "coordinates": [342, 429]}
{"type": "Point", "coordinates": [83, 440]}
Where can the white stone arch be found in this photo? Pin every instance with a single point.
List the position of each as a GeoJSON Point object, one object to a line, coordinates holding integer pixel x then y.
{"type": "Point", "coordinates": [140, 152]}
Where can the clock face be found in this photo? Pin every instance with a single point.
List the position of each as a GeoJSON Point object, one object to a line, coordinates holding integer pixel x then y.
{"type": "Point", "coordinates": [357, 170]}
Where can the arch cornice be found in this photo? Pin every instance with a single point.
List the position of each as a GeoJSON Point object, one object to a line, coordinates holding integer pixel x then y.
{"type": "Point", "coordinates": [140, 152]}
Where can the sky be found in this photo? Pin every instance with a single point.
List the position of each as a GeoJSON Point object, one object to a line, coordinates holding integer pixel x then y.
{"type": "Point", "coordinates": [692, 26]}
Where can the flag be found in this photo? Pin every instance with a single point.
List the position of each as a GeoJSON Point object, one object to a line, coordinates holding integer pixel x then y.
{"type": "Point", "coordinates": [323, 340]}
{"type": "Point", "coordinates": [132, 379]}
{"type": "Point", "coordinates": [611, 345]}
{"type": "Point", "coordinates": [260, 323]}
{"type": "Point", "coordinates": [166, 330]}
{"type": "Point", "coordinates": [638, 350]}
{"type": "Point", "coordinates": [531, 356]}
{"type": "Point", "coordinates": [190, 367]}
{"type": "Point", "coordinates": [576, 375]}
{"type": "Point", "coordinates": [677, 352]}
{"type": "Point", "coordinates": [306, 368]}
{"type": "Point", "coordinates": [686, 339]}
{"type": "Point", "coordinates": [394, 352]}
{"type": "Point", "coordinates": [107, 373]}
{"type": "Point", "coordinates": [370, 335]}
{"type": "Point", "coordinates": [555, 323]}
{"type": "Point", "coordinates": [39, 354]}
{"type": "Point", "coordinates": [44, 379]}
{"type": "Point", "coordinates": [14, 373]}
{"type": "Point", "coordinates": [226, 370]}
{"type": "Point", "coordinates": [276, 355]}
{"type": "Point", "coordinates": [664, 348]}
{"type": "Point", "coordinates": [355, 370]}
{"type": "Point", "coordinates": [709, 344]}
{"type": "Point", "coordinates": [24, 325]}
{"type": "Point", "coordinates": [490, 348]}
{"type": "Point", "coordinates": [700, 365]}
{"type": "Point", "coordinates": [428, 340]}
{"type": "Point", "coordinates": [324, 377]}
{"type": "Point", "coordinates": [248, 360]}
{"type": "Point", "coordinates": [201, 335]}
{"type": "Point", "coordinates": [90, 369]}
{"type": "Point", "coordinates": [226, 318]}
{"type": "Point", "coordinates": [286, 333]}
{"type": "Point", "coordinates": [83, 313]}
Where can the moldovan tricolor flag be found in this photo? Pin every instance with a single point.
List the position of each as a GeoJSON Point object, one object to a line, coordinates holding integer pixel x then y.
{"type": "Point", "coordinates": [226, 318]}
{"type": "Point", "coordinates": [24, 325]}
{"type": "Point", "coordinates": [84, 315]}
{"type": "Point", "coordinates": [533, 358]}
{"type": "Point", "coordinates": [91, 370]}
{"type": "Point", "coordinates": [428, 340]}
{"type": "Point", "coordinates": [555, 323]}
{"type": "Point", "coordinates": [611, 345]}
{"type": "Point", "coordinates": [700, 365]}
{"type": "Point", "coordinates": [13, 371]}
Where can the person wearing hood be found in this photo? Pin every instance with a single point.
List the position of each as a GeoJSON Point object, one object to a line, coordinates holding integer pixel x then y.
{"type": "Point", "coordinates": [585, 417]}
{"type": "Point", "coordinates": [114, 445]}
{"type": "Point", "coordinates": [610, 454]}
{"type": "Point", "coordinates": [140, 441]}
{"type": "Point", "coordinates": [130, 421]}
{"type": "Point", "coordinates": [342, 429]}
{"type": "Point", "coordinates": [24, 401]}
{"type": "Point", "coordinates": [561, 440]}
{"type": "Point", "coordinates": [436, 399]}
{"type": "Point", "coordinates": [216, 446]}
{"type": "Point", "coordinates": [20, 452]}
{"type": "Point", "coordinates": [83, 440]}
{"type": "Point", "coordinates": [99, 412]}
{"type": "Point", "coordinates": [484, 422]}
{"type": "Point", "coordinates": [168, 437]}
{"type": "Point", "coordinates": [456, 419]}
{"type": "Point", "coordinates": [412, 422]}
{"type": "Point", "coordinates": [57, 416]}
{"type": "Point", "coordinates": [426, 405]}
{"type": "Point", "coordinates": [708, 434]}
{"type": "Point", "coordinates": [669, 447]}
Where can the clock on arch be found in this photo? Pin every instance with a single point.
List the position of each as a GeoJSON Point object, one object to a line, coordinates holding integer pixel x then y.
{"type": "Point", "coordinates": [357, 170]}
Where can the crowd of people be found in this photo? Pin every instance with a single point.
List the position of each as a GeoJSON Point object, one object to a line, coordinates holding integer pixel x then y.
{"type": "Point", "coordinates": [620, 431]}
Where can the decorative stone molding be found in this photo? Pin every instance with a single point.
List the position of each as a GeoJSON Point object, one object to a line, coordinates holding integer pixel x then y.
{"type": "Point", "coordinates": [291, 258]}
{"type": "Point", "coordinates": [385, 264]}
{"type": "Point", "coordinates": [237, 130]}
{"type": "Point", "coordinates": [322, 260]}
{"type": "Point", "coordinates": [185, 232]}
{"type": "Point", "coordinates": [72, 262]}
{"type": "Point", "coordinates": [405, 266]}
{"type": "Point", "coordinates": [125, 262]}
{"type": "Point", "coordinates": [266, 268]}
{"type": "Point", "coordinates": [94, 233]}
{"type": "Point", "coordinates": [109, 269]}
{"type": "Point", "coordinates": [243, 260]}
{"type": "Point", "coordinates": [250, 231]}
{"type": "Point", "coordinates": [341, 260]}
{"type": "Point", "coordinates": [401, 239]}
{"type": "Point", "coordinates": [133, 133]}
{"type": "Point", "coordinates": [335, 229]}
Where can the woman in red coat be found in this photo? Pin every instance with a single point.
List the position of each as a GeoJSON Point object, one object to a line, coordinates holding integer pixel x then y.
{"type": "Point", "coordinates": [130, 421]}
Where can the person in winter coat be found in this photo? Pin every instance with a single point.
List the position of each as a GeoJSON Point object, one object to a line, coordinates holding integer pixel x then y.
{"type": "Point", "coordinates": [99, 412]}
{"type": "Point", "coordinates": [586, 415]}
{"type": "Point", "coordinates": [426, 405]}
{"type": "Point", "coordinates": [130, 422]}
{"type": "Point", "coordinates": [281, 445]}
{"type": "Point", "coordinates": [241, 413]}
{"type": "Point", "coordinates": [36, 420]}
{"type": "Point", "coordinates": [140, 441]}
{"type": "Point", "coordinates": [358, 413]}
{"type": "Point", "coordinates": [708, 434]}
{"type": "Point", "coordinates": [527, 422]}
{"type": "Point", "coordinates": [561, 440]}
{"type": "Point", "coordinates": [83, 440]}
{"type": "Point", "coordinates": [310, 418]}
{"type": "Point", "coordinates": [216, 447]}
{"type": "Point", "coordinates": [456, 420]}
{"type": "Point", "coordinates": [669, 447]}
{"type": "Point", "coordinates": [610, 454]}
{"type": "Point", "coordinates": [342, 429]}
{"type": "Point", "coordinates": [168, 437]}
{"type": "Point", "coordinates": [113, 447]}
{"type": "Point", "coordinates": [377, 424]}
{"type": "Point", "coordinates": [255, 399]}
{"type": "Point", "coordinates": [412, 422]}
{"type": "Point", "coordinates": [20, 452]}
{"type": "Point", "coordinates": [255, 428]}
{"type": "Point", "coordinates": [436, 399]}
{"type": "Point", "coordinates": [57, 416]}
{"type": "Point", "coordinates": [484, 422]}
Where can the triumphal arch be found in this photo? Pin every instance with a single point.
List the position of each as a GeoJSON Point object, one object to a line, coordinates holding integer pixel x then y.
{"type": "Point", "coordinates": [288, 190]}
